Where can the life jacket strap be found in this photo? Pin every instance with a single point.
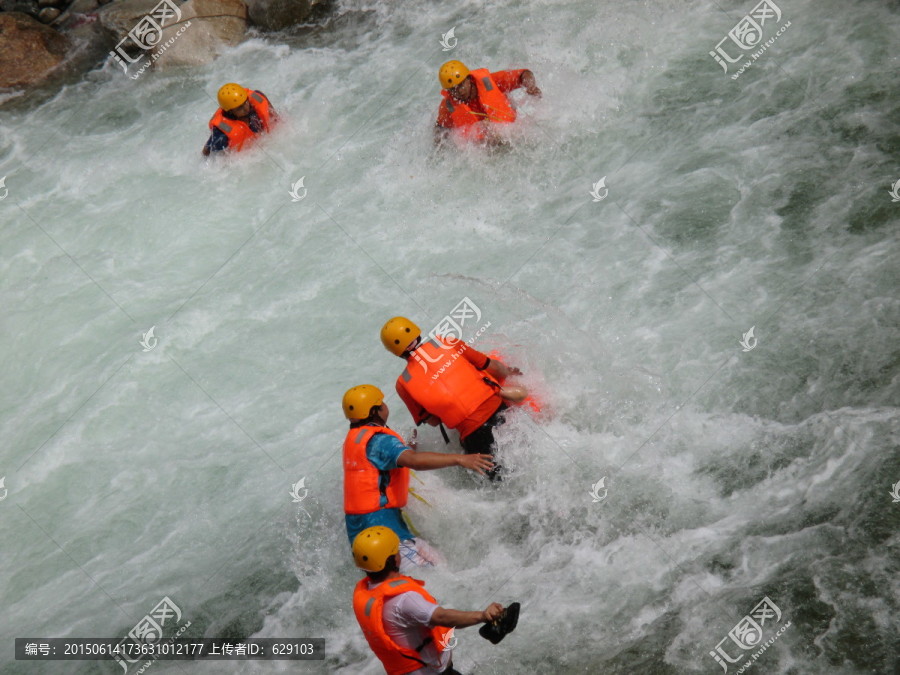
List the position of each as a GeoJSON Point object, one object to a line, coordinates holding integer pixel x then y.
{"type": "Point", "coordinates": [488, 381]}
{"type": "Point", "coordinates": [419, 649]}
{"type": "Point", "coordinates": [407, 656]}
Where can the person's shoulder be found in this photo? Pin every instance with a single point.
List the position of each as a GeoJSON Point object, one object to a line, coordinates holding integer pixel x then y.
{"type": "Point", "coordinates": [411, 602]}
{"type": "Point", "coordinates": [386, 444]}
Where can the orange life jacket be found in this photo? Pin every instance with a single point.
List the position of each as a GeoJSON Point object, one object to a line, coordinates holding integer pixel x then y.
{"type": "Point", "coordinates": [239, 132]}
{"type": "Point", "coordinates": [361, 478]}
{"type": "Point", "coordinates": [446, 385]}
{"type": "Point", "coordinates": [494, 102]}
{"type": "Point", "coordinates": [368, 605]}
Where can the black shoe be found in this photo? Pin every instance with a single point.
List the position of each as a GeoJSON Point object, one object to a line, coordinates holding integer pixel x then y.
{"type": "Point", "coordinates": [495, 631]}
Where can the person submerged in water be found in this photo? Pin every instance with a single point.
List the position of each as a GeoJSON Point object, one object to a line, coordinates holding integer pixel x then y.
{"type": "Point", "coordinates": [403, 623]}
{"type": "Point", "coordinates": [447, 382]}
{"type": "Point", "coordinates": [475, 102]}
{"type": "Point", "coordinates": [376, 472]}
{"type": "Point", "coordinates": [242, 115]}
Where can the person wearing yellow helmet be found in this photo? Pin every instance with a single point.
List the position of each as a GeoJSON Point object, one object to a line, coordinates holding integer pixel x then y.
{"type": "Point", "coordinates": [242, 114]}
{"type": "Point", "coordinates": [475, 101]}
{"type": "Point", "coordinates": [376, 463]}
{"type": "Point", "coordinates": [402, 622]}
{"type": "Point", "coordinates": [447, 382]}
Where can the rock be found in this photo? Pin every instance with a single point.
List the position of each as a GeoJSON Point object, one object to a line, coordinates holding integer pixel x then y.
{"type": "Point", "coordinates": [48, 14]}
{"type": "Point", "coordinates": [82, 6]}
{"type": "Point", "coordinates": [121, 17]}
{"type": "Point", "coordinates": [23, 6]}
{"type": "Point", "coordinates": [29, 51]}
{"type": "Point", "coordinates": [49, 3]}
{"type": "Point", "coordinates": [279, 14]}
{"type": "Point", "coordinates": [214, 24]}
{"type": "Point", "coordinates": [194, 36]}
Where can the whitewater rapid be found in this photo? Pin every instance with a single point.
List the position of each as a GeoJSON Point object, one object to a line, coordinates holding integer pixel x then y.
{"type": "Point", "coordinates": [731, 474]}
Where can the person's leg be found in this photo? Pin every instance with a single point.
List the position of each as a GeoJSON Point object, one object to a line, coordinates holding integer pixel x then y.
{"type": "Point", "coordinates": [481, 441]}
{"type": "Point", "coordinates": [417, 553]}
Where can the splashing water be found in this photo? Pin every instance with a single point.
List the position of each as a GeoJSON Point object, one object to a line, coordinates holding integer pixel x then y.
{"type": "Point", "coordinates": [731, 474]}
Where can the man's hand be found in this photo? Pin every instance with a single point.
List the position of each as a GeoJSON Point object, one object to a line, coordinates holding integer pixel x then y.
{"type": "Point", "coordinates": [492, 613]}
{"type": "Point", "coordinates": [531, 88]}
{"type": "Point", "coordinates": [413, 441]}
{"type": "Point", "coordinates": [501, 371]}
{"type": "Point", "coordinates": [492, 138]}
{"type": "Point", "coordinates": [439, 134]}
{"type": "Point", "coordinates": [479, 463]}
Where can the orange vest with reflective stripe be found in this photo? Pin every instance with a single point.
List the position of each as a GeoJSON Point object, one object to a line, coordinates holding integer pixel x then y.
{"type": "Point", "coordinates": [494, 102]}
{"type": "Point", "coordinates": [239, 132]}
{"type": "Point", "coordinates": [446, 385]}
{"type": "Point", "coordinates": [361, 478]}
{"type": "Point", "coordinates": [368, 605]}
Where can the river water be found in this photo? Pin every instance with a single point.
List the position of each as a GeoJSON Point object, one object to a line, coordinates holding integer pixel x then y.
{"type": "Point", "coordinates": [730, 474]}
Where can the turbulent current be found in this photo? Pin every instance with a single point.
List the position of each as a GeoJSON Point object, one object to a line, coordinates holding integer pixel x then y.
{"type": "Point", "coordinates": [685, 476]}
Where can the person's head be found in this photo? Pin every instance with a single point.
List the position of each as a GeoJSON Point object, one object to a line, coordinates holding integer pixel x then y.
{"type": "Point", "coordinates": [399, 335]}
{"type": "Point", "coordinates": [365, 403]}
{"type": "Point", "coordinates": [233, 100]}
{"type": "Point", "coordinates": [376, 550]}
{"type": "Point", "coordinates": [455, 78]}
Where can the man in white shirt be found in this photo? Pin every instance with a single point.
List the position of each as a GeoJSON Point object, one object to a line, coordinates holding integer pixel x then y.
{"type": "Point", "coordinates": [403, 624]}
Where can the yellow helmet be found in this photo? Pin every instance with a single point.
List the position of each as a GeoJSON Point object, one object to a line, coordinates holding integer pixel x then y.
{"type": "Point", "coordinates": [359, 401]}
{"type": "Point", "coordinates": [232, 96]}
{"type": "Point", "coordinates": [373, 546]}
{"type": "Point", "coordinates": [397, 333]}
{"type": "Point", "coordinates": [452, 73]}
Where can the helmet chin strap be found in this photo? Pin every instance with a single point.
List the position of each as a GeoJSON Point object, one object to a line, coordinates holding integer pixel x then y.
{"type": "Point", "coordinates": [415, 345]}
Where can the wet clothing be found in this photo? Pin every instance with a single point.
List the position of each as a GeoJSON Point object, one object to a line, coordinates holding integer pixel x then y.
{"type": "Point", "coordinates": [481, 441]}
{"type": "Point", "coordinates": [405, 618]}
{"type": "Point", "coordinates": [490, 104]}
{"type": "Point", "coordinates": [445, 378]}
{"type": "Point", "coordinates": [230, 132]}
{"type": "Point", "coordinates": [369, 486]}
{"type": "Point", "coordinates": [417, 553]}
{"type": "Point", "coordinates": [382, 449]}
{"type": "Point", "coordinates": [400, 634]}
